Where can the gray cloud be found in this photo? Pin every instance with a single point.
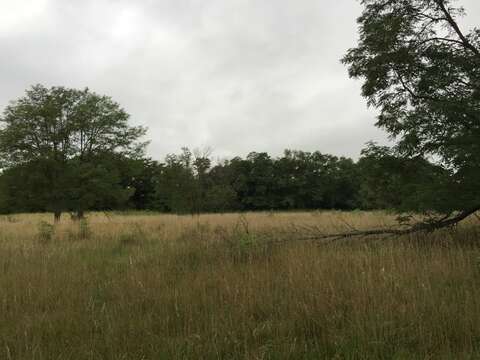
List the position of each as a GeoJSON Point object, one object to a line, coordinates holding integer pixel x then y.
{"type": "Point", "coordinates": [237, 75]}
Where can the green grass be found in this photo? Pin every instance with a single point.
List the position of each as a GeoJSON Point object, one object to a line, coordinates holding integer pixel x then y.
{"type": "Point", "coordinates": [185, 288]}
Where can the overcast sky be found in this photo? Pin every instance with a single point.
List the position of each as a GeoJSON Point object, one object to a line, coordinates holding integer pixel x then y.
{"type": "Point", "coordinates": [234, 75]}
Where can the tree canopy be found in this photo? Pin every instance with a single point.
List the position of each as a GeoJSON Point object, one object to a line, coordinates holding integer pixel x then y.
{"type": "Point", "coordinates": [64, 141]}
{"type": "Point", "coordinates": [422, 71]}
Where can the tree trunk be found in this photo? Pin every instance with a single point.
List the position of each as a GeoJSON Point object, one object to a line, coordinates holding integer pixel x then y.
{"type": "Point", "coordinates": [56, 216]}
{"type": "Point", "coordinates": [80, 215]}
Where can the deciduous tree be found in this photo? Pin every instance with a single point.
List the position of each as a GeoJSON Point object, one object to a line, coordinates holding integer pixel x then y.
{"type": "Point", "coordinates": [67, 137]}
{"type": "Point", "coordinates": [422, 71]}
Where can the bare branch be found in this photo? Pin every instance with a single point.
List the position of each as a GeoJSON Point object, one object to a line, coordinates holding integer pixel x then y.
{"type": "Point", "coordinates": [456, 28]}
{"type": "Point", "coordinates": [429, 225]}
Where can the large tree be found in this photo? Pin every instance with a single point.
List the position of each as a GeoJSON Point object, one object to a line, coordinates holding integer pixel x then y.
{"type": "Point", "coordinates": [65, 139]}
{"type": "Point", "coordinates": [422, 71]}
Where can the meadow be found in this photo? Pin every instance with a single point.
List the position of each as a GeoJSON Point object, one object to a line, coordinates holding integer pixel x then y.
{"type": "Point", "coordinates": [235, 286]}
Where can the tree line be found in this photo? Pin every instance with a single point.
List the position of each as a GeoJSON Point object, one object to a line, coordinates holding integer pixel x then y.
{"type": "Point", "coordinates": [189, 183]}
{"type": "Point", "coordinates": [67, 150]}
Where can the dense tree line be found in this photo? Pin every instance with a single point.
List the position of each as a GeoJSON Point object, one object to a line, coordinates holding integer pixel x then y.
{"type": "Point", "coordinates": [297, 180]}
{"type": "Point", "coordinates": [189, 182]}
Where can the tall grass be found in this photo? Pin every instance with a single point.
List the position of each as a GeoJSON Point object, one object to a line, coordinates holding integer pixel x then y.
{"type": "Point", "coordinates": [210, 287]}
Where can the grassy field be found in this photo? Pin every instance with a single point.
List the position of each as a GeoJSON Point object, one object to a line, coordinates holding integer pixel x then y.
{"type": "Point", "coordinates": [146, 286]}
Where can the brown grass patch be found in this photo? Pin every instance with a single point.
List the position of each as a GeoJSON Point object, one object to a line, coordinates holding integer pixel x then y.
{"type": "Point", "coordinates": [146, 286]}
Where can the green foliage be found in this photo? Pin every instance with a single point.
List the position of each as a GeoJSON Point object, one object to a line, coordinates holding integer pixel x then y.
{"type": "Point", "coordinates": [423, 74]}
{"type": "Point", "coordinates": [176, 188]}
{"type": "Point", "coordinates": [220, 198]}
{"type": "Point", "coordinates": [58, 147]}
{"type": "Point", "coordinates": [297, 180]}
{"type": "Point", "coordinates": [394, 182]}
{"type": "Point", "coordinates": [140, 177]}
{"type": "Point", "coordinates": [187, 183]}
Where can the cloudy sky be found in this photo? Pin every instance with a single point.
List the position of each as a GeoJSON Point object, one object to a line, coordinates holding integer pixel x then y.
{"type": "Point", "coordinates": [233, 75]}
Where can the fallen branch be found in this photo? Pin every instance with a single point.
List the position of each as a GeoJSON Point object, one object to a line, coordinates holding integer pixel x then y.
{"type": "Point", "coordinates": [429, 225]}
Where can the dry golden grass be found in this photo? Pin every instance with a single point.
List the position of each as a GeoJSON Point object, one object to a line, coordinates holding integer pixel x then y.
{"type": "Point", "coordinates": [149, 286]}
